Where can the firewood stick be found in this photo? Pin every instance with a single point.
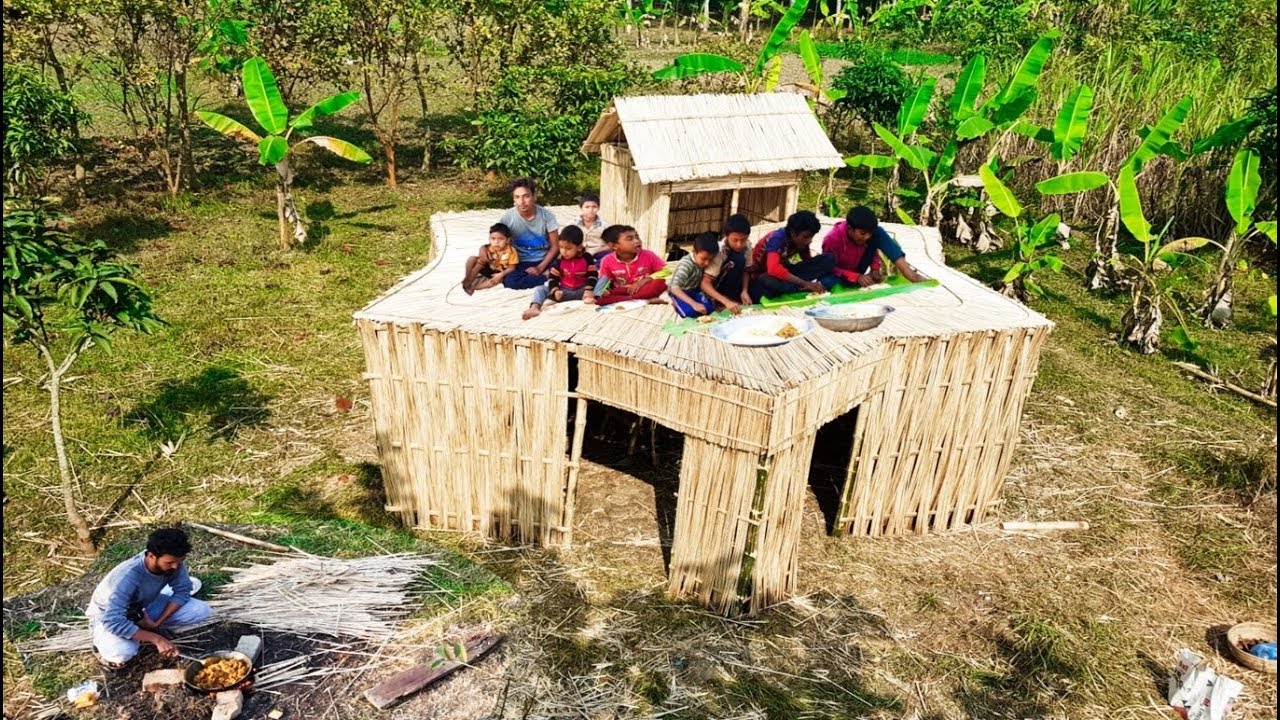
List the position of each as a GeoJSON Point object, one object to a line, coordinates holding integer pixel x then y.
{"type": "Point", "coordinates": [1018, 525]}
{"type": "Point", "coordinates": [1223, 383]}
{"type": "Point", "coordinates": [241, 538]}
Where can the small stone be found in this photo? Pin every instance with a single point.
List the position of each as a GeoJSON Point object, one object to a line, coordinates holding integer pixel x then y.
{"type": "Point", "coordinates": [275, 715]}
{"type": "Point", "coordinates": [250, 646]}
{"type": "Point", "coordinates": [157, 680]}
{"type": "Point", "coordinates": [230, 702]}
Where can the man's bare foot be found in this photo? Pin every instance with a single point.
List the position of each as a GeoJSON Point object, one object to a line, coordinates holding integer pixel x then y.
{"type": "Point", "coordinates": [533, 312]}
{"type": "Point", "coordinates": [469, 287]}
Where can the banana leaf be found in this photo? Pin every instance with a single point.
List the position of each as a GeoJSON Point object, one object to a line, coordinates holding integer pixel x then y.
{"type": "Point", "coordinates": [912, 112]}
{"type": "Point", "coordinates": [272, 149]}
{"type": "Point", "coordinates": [1000, 195]}
{"type": "Point", "coordinates": [1155, 140]}
{"type": "Point", "coordinates": [1028, 72]}
{"type": "Point", "coordinates": [341, 148]}
{"type": "Point", "coordinates": [1072, 123]}
{"type": "Point", "coordinates": [1227, 134]}
{"type": "Point", "coordinates": [694, 64]}
{"type": "Point", "coordinates": [1072, 182]}
{"type": "Point", "coordinates": [974, 126]}
{"type": "Point", "coordinates": [877, 162]}
{"type": "Point", "coordinates": [780, 33]}
{"type": "Point", "coordinates": [968, 88]}
{"type": "Point", "coordinates": [327, 106]}
{"type": "Point", "coordinates": [901, 149]}
{"type": "Point", "coordinates": [1242, 189]}
{"type": "Point", "coordinates": [1131, 206]}
{"type": "Point", "coordinates": [812, 61]}
{"type": "Point", "coordinates": [263, 96]}
{"type": "Point", "coordinates": [227, 126]}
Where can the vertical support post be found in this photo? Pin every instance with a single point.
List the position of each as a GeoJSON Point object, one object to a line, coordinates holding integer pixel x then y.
{"type": "Point", "coordinates": [575, 464]}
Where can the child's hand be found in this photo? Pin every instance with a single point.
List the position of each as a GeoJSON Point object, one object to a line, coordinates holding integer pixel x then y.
{"type": "Point", "coordinates": [699, 308]}
{"type": "Point", "coordinates": [532, 270]}
{"type": "Point", "coordinates": [867, 279]}
{"type": "Point", "coordinates": [558, 295]}
{"type": "Point", "coordinates": [588, 298]}
{"type": "Point", "coordinates": [733, 308]}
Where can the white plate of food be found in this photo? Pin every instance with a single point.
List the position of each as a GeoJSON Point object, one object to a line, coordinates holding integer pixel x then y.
{"type": "Point", "coordinates": [762, 330]}
{"type": "Point", "coordinates": [623, 306]}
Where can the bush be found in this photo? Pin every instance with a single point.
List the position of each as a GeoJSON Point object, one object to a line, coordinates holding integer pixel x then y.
{"type": "Point", "coordinates": [874, 87]}
{"type": "Point", "coordinates": [1263, 138]}
{"type": "Point", "coordinates": [40, 126]}
{"type": "Point", "coordinates": [537, 118]}
{"type": "Point", "coordinates": [994, 28]}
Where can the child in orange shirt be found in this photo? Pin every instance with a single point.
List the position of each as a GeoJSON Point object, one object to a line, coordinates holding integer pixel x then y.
{"type": "Point", "coordinates": [494, 262]}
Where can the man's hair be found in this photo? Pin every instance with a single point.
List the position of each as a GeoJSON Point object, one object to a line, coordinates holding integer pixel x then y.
{"type": "Point", "coordinates": [611, 233]}
{"type": "Point", "coordinates": [571, 234]}
{"type": "Point", "coordinates": [707, 242]}
{"type": "Point", "coordinates": [526, 183]}
{"type": "Point", "coordinates": [168, 541]}
{"type": "Point", "coordinates": [803, 221]}
{"type": "Point", "coordinates": [737, 223]}
{"type": "Point", "coordinates": [588, 196]}
{"type": "Point", "coordinates": [500, 228]}
{"type": "Point", "coordinates": [861, 218]}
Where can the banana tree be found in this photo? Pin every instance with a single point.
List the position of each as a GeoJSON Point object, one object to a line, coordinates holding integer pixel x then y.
{"type": "Point", "coordinates": [1242, 193]}
{"type": "Point", "coordinates": [1150, 273]}
{"type": "Point", "coordinates": [1031, 242]}
{"type": "Point", "coordinates": [763, 75]}
{"type": "Point", "coordinates": [964, 121]}
{"type": "Point", "coordinates": [262, 95]}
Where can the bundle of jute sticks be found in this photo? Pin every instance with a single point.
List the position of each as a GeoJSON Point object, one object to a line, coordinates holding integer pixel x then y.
{"type": "Point", "coordinates": [300, 594]}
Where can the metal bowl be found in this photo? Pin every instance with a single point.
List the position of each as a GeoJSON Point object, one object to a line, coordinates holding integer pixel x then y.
{"type": "Point", "coordinates": [195, 667]}
{"type": "Point", "coordinates": [854, 317]}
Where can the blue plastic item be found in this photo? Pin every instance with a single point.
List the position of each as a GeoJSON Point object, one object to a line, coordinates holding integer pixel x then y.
{"type": "Point", "coordinates": [1265, 650]}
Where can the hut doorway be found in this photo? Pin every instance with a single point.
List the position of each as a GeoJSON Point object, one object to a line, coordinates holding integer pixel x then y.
{"type": "Point", "coordinates": [630, 448]}
{"type": "Point", "coordinates": [829, 466]}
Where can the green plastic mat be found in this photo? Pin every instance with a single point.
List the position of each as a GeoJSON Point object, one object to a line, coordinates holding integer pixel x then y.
{"type": "Point", "coordinates": [897, 286]}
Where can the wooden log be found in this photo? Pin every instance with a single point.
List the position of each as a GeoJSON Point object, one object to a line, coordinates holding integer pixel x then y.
{"type": "Point", "coordinates": [400, 686]}
{"type": "Point", "coordinates": [1223, 383]}
{"type": "Point", "coordinates": [241, 538]}
{"type": "Point", "coordinates": [1021, 526]}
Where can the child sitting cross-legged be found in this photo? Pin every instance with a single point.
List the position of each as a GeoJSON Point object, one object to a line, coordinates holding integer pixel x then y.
{"type": "Point", "coordinates": [627, 273]}
{"type": "Point", "coordinates": [685, 283]}
{"type": "Point", "coordinates": [725, 279]}
{"type": "Point", "coordinates": [572, 276]}
{"type": "Point", "coordinates": [494, 262]}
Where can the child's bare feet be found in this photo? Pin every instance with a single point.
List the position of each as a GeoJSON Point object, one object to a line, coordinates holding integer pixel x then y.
{"type": "Point", "coordinates": [469, 288]}
{"type": "Point", "coordinates": [532, 312]}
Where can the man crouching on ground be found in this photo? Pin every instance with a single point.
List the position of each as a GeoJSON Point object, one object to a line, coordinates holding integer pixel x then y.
{"type": "Point", "coordinates": [128, 607]}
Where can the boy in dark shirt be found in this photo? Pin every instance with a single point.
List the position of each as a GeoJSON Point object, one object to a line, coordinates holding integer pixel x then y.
{"type": "Point", "coordinates": [783, 263]}
{"type": "Point", "coordinates": [725, 279]}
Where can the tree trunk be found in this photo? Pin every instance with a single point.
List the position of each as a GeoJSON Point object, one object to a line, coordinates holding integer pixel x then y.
{"type": "Point", "coordinates": [74, 517]}
{"type": "Point", "coordinates": [288, 211]}
{"type": "Point", "coordinates": [186, 161]}
{"type": "Point", "coordinates": [60, 73]}
{"type": "Point", "coordinates": [1102, 271]}
{"type": "Point", "coordinates": [1142, 320]}
{"type": "Point", "coordinates": [1220, 293]}
{"type": "Point", "coordinates": [704, 23]}
{"type": "Point", "coordinates": [389, 152]}
{"type": "Point", "coordinates": [891, 201]}
{"type": "Point", "coordinates": [1269, 387]}
{"type": "Point", "coordinates": [744, 18]}
{"type": "Point", "coordinates": [426, 151]}
{"type": "Point", "coordinates": [422, 90]}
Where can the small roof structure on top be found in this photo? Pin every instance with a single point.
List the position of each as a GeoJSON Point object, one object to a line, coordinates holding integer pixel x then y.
{"type": "Point", "coordinates": [674, 138]}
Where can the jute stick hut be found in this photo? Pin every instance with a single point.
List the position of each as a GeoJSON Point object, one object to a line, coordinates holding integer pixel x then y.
{"type": "Point", "coordinates": [472, 407]}
{"type": "Point", "coordinates": [678, 165]}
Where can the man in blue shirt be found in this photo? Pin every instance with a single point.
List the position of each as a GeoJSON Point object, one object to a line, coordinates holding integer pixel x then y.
{"type": "Point", "coordinates": [534, 233]}
{"type": "Point", "coordinates": [129, 607]}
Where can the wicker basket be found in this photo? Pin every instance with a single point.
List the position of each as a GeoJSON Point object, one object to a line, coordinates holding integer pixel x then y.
{"type": "Point", "coordinates": [1252, 631]}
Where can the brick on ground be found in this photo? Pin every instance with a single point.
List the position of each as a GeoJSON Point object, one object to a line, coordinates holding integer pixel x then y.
{"type": "Point", "coordinates": [157, 680]}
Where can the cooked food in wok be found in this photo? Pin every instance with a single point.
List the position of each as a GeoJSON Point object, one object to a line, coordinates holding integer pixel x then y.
{"type": "Point", "coordinates": [221, 672]}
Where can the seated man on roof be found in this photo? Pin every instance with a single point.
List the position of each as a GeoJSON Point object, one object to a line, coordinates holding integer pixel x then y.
{"type": "Point", "coordinates": [129, 606]}
{"type": "Point", "coordinates": [535, 232]}
{"type": "Point", "coordinates": [857, 242]}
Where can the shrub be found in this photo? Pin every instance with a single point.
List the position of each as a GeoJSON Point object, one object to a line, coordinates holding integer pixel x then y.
{"type": "Point", "coordinates": [537, 118]}
{"type": "Point", "coordinates": [39, 124]}
{"type": "Point", "coordinates": [1263, 139]}
{"type": "Point", "coordinates": [994, 28]}
{"type": "Point", "coordinates": [874, 88]}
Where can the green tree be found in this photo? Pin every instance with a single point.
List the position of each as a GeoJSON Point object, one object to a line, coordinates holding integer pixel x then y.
{"type": "Point", "coordinates": [40, 126]}
{"type": "Point", "coordinates": [1241, 195]}
{"type": "Point", "coordinates": [64, 296]}
{"type": "Point", "coordinates": [263, 98]}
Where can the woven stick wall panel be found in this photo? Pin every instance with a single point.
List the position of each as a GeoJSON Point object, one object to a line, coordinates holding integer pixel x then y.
{"type": "Point", "coordinates": [471, 430]}
{"type": "Point", "coordinates": [717, 487]}
{"type": "Point", "coordinates": [764, 204]}
{"type": "Point", "coordinates": [935, 438]}
{"type": "Point", "coordinates": [730, 416]}
{"type": "Point", "coordinates": [781, 510]}
{"type": "Point", "coordinates": [729, 182]}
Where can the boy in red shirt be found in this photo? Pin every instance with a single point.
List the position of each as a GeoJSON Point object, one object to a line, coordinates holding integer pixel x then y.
{"type": "Point", "coordinates": [782, 263]}
{"type": "Point", "coordinates": [856, 243]}
{"type": "Point", "coordinates": [572, 276]}
{"type": "Point", "coordinates": [627, 273]}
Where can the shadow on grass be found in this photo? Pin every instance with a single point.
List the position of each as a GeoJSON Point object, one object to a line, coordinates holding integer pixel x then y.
{"type": "Point", "coordinates": [125, 231]}
{"type": "Point", "coordinates": [218, 398]}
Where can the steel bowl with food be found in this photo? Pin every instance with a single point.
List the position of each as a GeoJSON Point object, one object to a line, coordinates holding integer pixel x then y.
{"type": "Point", "coordinates": [849, 318]}
{"type": "Point", "coordinates": [215, 672]}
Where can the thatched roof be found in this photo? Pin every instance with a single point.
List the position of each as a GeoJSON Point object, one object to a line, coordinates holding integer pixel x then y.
{"type": "Point", "coordinates": [688, 137]}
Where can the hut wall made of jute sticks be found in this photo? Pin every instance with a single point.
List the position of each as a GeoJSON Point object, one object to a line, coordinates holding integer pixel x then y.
{"type": "Point", "coordinates": [470, 430]}
{"type": "Point", "coordinates": [935, 437]}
